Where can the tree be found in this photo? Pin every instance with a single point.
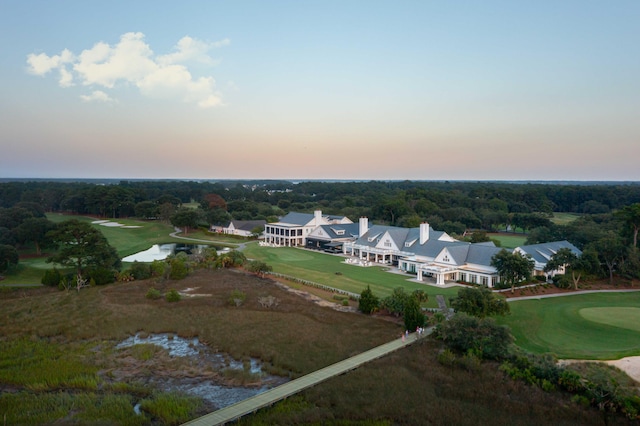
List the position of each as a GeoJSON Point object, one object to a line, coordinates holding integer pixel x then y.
{"type": "Point", "coordinates": [147, 210]}
{"type": "Point", "coordinates": [412, 314]}
{"type": "Point", "coordinates": [395, 303]}
{"type": "Point", "coordinates": [610, 252]}
{"type": "Point", "coordinates": [81, 246]}
{"type": "Point", "coordinates": [35, 230]}
{"type": "Point", "coordinates": [565, 258]}
{"type": "Point", "coordinates": [8, 257]}
{"type": "Point", "coordinates": [185, 218]}
{"type": "Point", "coordinates": [369, 302]}
{"type": "Point", "coordinates": [479, 302]}
{"type": "Point", "coordinates": [512, 267]}
{"type": "Point", "coordinates": [480, 335]}
{"type": "Point", "coordinates": [631, 216]}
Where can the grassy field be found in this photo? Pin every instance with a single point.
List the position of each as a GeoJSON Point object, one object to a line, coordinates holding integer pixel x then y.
{"type": "Point", "coordinates": [589, 326]}
{"type": "Point", "coordinates": [332, 271]}
{"type": "Point", "coordinates": [560, 218]}
{"type": "Point", "coordinates": [509, 241]}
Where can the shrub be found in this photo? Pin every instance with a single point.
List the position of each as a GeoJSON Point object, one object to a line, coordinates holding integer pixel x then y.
{"type": "Point", "coordinates": [368, 301]}
{"type": "Point", "coordinates": [447, 358]}
{"type": "Point", "coordinates": [51, 277]}
{"type": "Point", "coordinates": [237, 298]}
{"type": "Point", "coordinates": [101, 276]}
{"type": "Point", "coordinates": [140, 271]}
{"type": "Point", "coordinates": [172, 296]}
{"type": "Point", "coordinates": [562, 281]}
{"type": "Point", "coordinates": [486, 338]}
{"type": "Point", "coordinates": [153, 294]}
{"type": "Point", "coordinates": [345, 302]}
{"type": "Point", "coordinates": [179, 269]}
{"type": "Point", "coordinates": [158, 269]}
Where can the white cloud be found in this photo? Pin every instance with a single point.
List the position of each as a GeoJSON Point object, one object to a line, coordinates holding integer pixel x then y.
{"type": "Point", "coordinates": [97, 96]}
{"type": "Point", "coordinates": [189, 49]}
{"type": "Point", "coordinates": [132, 62]}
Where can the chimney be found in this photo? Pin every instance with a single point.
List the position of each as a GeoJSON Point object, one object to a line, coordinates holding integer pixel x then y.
{"type": "Point", "coordinates": [364, 226]}
{"type": "Point", "coordinates": [318, 217]}
{"type": "Point", "coordinates": [424, 232]}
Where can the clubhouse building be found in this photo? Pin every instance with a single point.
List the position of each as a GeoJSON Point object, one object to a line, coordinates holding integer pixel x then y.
{"type": "Point", "coordinates": [432, 256]}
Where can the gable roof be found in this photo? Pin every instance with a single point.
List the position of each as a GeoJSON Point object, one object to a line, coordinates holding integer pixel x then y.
{"type": "Point", "coordinates": [542, 252]}
{"type": "Point", "coordinates": [295, 218]}
{"type": "Point", "coordinates": [341, 230]}
{"type": "Point", "coordinates": [247, 225]}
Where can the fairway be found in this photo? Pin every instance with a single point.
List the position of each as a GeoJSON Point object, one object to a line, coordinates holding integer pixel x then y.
{"type": "Point", "coordinates": [588, 326]}
{"type": "Point", "coordinates": [331, 270]}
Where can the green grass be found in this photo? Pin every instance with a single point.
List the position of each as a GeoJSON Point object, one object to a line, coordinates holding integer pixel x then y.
{"type": "Point", "coordinates": [332, 271]}
{"type": "Point", "coordinates": [509, 241]}
{"type": "Point", "coordinates": [560, 218]}
{"type": "Point", "coordinates": [588, 326]}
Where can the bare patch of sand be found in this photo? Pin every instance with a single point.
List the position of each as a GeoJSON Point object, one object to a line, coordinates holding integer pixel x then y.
{"type": "Point", "coordinates": [630, 365]}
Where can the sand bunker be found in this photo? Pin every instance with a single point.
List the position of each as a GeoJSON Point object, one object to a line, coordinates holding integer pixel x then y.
{"type": "Point", "coordinates": [630, 365]}
{"type": "Point", "coordinates": [113, 224]}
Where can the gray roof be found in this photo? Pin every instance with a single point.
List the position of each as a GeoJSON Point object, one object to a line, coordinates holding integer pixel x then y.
{"type": "Point", "coordinates": [295, 218]}
{"type": "Point", "coordinates": [302, 219]}
{"type": "Point", "coordinates": [350, 230]}
{"type": "Point", "coordinates": [247, 225]}
{"type": "Point", "coordinates": [462, 252]}
{"type": "Point", "coordinates": [543, 251]}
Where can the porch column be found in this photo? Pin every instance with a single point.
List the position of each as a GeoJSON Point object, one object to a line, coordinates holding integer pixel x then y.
{"type": "Point", "coordinates": [440, 279]}
{"type": "Point", "coordinates": [419, 274]}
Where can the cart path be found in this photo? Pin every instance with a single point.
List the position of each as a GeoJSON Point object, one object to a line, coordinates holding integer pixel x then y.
{"type": "Point", "coordinates": [267, 398]}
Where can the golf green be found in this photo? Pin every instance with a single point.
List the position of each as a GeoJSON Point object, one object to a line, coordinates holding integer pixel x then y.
{"type": "Point", "coordinates": [587, 326]}
{"type": "Point", "coordinates": [627, 317]}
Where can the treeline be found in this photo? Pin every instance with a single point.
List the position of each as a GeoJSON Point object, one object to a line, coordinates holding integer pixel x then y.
{"type": "Point", "coordinates": [391, 202]}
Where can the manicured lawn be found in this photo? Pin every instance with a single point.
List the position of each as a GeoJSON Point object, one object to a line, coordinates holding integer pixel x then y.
{"type": "Point", "coordinates": [589, 326]}
{"type": "Point", "coordinates": [564, 218]}
{"type": "Point", "coordinates": [509, 241]}
{"type": "Point", "coordinates": [332, 271]}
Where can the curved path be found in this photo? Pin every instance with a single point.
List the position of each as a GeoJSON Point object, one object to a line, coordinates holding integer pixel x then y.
{"type": "Point", "coordinates": [573, 293]}
{"type": "Point", "coordinates": [251, 405]}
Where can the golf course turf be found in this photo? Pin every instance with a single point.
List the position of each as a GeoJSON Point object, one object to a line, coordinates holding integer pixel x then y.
{"type": "Point", "coordinates": [587, 326]}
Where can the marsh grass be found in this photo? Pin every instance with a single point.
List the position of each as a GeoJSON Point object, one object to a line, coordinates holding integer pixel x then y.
{"type": "Point", "coordinates": [171, 408]}
{"type": "Point", "coordinates": [72, 335]}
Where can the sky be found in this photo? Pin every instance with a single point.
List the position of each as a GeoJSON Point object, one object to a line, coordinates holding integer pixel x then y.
{"type": "Point", "coordinates": [350, 89]}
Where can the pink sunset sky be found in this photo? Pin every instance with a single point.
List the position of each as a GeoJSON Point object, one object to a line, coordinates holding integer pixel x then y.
{"type": "Point", "coordinates": [321, 90]}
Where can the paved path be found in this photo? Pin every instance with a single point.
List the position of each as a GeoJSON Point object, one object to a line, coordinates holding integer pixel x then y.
{"type": "Point", "coordinates": [572, 293]}
{"type": "Point", "coordinates": [251, 405]}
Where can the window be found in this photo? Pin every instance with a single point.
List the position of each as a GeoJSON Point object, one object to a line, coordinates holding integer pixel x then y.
{"type": "Point", "coordinates": [463, 277]}
{"type": "Point", "coordinates": [485, 281]}
{"type": "Point", "coordinates": [387, 243]}
{"type": "Point", "coordinates": [473, 279]}
{"type": "Point", "coordinates": [445, 258]}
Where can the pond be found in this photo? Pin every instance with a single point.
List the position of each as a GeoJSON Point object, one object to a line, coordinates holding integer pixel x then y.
{"type": "Point", "coordinates": [162, 251]}
{"type": "Point", "coordinates": [217, 394]}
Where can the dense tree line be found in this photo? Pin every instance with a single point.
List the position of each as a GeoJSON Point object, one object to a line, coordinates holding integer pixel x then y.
{"type": "Point", "coordinates": [608, 225]}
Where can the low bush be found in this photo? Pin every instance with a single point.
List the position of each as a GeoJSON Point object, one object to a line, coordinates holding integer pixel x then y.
{"type": "Point", "coordinates": [153, 294]}
{"type": "Point", "coordinates": [172, 296]}
{"type": "Point", "coordinates": [51, 277]}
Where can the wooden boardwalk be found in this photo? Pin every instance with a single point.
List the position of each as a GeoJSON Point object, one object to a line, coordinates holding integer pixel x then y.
{"type": "Point", "coordinates": [267, 398]}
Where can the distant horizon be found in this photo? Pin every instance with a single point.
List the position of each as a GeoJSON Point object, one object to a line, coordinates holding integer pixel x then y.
{"type": "Point", "coordinates": [298, 180]}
